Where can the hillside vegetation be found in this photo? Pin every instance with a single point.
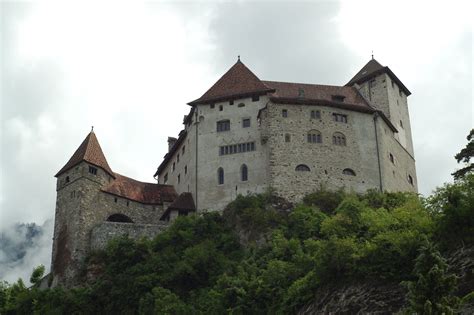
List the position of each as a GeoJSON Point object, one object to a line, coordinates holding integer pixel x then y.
{"type": "Point", "coordinates": [209, 264]}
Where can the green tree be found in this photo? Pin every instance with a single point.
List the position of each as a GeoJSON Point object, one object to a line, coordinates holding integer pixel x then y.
{"type": "Point", "coordinates": [464, 156]}
{"type": "Point", "coordinates": [37, 274]}
{"type": "Point", "coordinates": [432, 290]}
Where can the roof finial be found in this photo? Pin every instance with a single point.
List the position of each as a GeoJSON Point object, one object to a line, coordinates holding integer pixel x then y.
{"type": "Point", "coordinates": [92, 129]}
{"type": "Point", "coordinates": [238, 58]}
{"type": "Point", "coordinates": [372, 55]}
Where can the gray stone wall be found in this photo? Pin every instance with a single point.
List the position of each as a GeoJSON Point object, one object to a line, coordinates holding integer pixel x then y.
{"type": "Point", "coordinates": [106, 231]}
{"type": "Point", "coordinates": [325, 160]}
{"type": "Point", "coordinates": [80, 206]}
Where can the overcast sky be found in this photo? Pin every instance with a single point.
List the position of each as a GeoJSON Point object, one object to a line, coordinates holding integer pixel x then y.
{"type": "Point", "coordinates": [129, 69]}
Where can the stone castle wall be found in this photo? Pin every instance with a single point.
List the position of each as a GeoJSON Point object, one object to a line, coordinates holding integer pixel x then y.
{"type": "Point", "coordinates": [325, 160]}
{"type": "Point", "coordinates": [105, 231]}
{"type": "Point", "coordinates": [81, 206]}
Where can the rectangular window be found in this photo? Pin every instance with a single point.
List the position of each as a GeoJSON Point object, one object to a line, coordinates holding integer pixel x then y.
{"type": "Point", "coordinates": [237, 148]}
{"type": "Point", "coordinates": [315, 114]}
{"type": "Point", "coordinates": [340, 118]}
{"type": "Point", "coordinates": [213, 105]}
{"type": "Point", "coordinates": [221, 152]}
{"type": "Point", "coordinates": [246, 122]}
{"type": "Point", "coordinates": [179, 178]}
{"type": "Point", "coordinates": [231, 102]}
{"type": "Point", "coordinates": [287, 137]}
{"type": "Point", "coordinates": [174, 166]}
{"type": "Point", "coordinates": [284, 113]}
{"type": "Point", "coordinates": [177, 158]}
{"type": "Point", "coordinates": [183, 150]}
{"type": "Point", "coordinates": [165, 178]}
{"type": "Point", "coordinates": [255, 98]}
{"type": "Point", "coordinates": [93, 170]}
{"type": "Point", "coordinates": [185, 169]}
{"type": "Point", "coordinates": [223, 125]}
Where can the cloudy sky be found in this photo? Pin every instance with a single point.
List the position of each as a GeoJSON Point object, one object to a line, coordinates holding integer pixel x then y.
{"type": "Point", "coordinates": [129, 68]}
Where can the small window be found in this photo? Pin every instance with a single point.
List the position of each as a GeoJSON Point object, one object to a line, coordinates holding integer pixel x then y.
{"type": "Point", "coordinates": [339, 118]}
{"type": "Point", "coordinates": [393, 85]}
{"type": "Point", "coordinates": [338, 98]}
{"type": "Point", "coordinates": [174, 166]}
{"type": "Point", "coordinates": [349, 172]}
{"type": "Point", "coordinates": [165, 178]}
{"type": "Point", "coordinates": [223, 125]}
{"type": "Point", "coordinates": [302, 168]}
{"type": "Point", "coordinates": [315, 114]}
{"type": "Point", "coordinates": [244, 173]}
{"type": "Point", "coordinates": [221, 108]}
{"type": "Point", "coordinates": [231, 102]}
{"type": "Point", "coordinates": [246, 122]}
{"type": "Point", "coordinates": [185, 169]}
{"type": "Point", "coordinates": [339, 139]}
{"type": "Point", "coordinates": [67, 179]}
{"type": "Point", "coordinates": [179, 178]}
{"type": "Point", "coordinates": [241, 105]}
{"type": "Point", "coordinates": [314, 136]}
{"type": "Point", "coordinates": [287, 137]}
{"type": "Point", "coordinates": [213, 105]}
{"type": "Point", "coordinates": [93, 170]}
{"type": "Point", "coordinates": [128, 203]}
{"type": "Point", "coordinates": [301, 93]}
{"type": "Point", "coordinates": [177, 158]}
{"type": "Point", "coordinates": [220, 176]}
{"type": "Point", "coordinates": [183, 150]}
{"type": "Point", "coordinates": [115, 199]}
{"type": "Point", "coordinates": [401, 124]}
{"type": "Point", "coordinates": [400, 92]}
{"type": "Point", "coordinates": [410, 180]}
{"type": "Point", "coordinates": [255, 98]}
{"type": "Point", "coordinates": [392, 159]}
{"type": "Point", "coordinates": [284, 113]}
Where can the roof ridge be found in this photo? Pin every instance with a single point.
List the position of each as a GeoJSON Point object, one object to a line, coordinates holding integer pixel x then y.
{"type": "Point", "coordinates": [314, 84]}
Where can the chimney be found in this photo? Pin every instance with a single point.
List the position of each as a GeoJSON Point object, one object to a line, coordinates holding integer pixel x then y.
{"type": "Point", "coordinates": [171, 142]}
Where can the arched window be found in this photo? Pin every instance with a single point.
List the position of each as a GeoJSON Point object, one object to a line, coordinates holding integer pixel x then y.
{"type": "Point", "coordinates": [220, 176]}
{"type": "Point", "coordinates": [118, 217]}
{"type": "Point", "coordinates": [302, 168]}
{"type": "Point", "coordinates": [244, 175]}
{"type": "Point", "coordinates": [339, 139]}
{"type": "Point", "coordinates": [348, 171]}
{"type": "Point", "coordinates": [314, 136]}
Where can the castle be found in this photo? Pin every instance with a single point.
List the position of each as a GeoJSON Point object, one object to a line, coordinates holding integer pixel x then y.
{"type": "Point", "coordinates": [242, 136]}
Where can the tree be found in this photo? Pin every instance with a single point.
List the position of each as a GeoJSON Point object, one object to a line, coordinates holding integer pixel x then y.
{"type": "Point", "coordinates": [37, 274]}
{"type": "Point", "coordinates": [465, 156]}
{"type": "Point", "coordinates": [432, 290]}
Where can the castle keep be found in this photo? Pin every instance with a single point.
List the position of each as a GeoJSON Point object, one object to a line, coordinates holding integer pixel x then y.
{"type": "Point", "coordinates": [244, 135]}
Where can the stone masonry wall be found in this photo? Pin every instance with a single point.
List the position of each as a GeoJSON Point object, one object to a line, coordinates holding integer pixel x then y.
{"type": "Point", "coordinates": [325, 160]}
{"type": "Point", "coordinates": [105, 231]}
{"type": "Point", "coordinates": [80, 206]}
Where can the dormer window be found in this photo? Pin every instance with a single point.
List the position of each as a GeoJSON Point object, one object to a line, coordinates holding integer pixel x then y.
{"type": "Point", "coordinates": [338, 98]}
{"type": "Point", "coordinates": [93, 170]}
{"type": "Point", "coordinates": [301, 92]}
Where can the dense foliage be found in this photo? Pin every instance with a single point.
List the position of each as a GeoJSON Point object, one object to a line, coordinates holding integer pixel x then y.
{"type": "Point", "coordinates": [199, 264]}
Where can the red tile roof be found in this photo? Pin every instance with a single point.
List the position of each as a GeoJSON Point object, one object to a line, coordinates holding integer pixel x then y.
{"type": "Point", "coordinates": [238, 81]}
{"type": "Point", "coordinates": [146, 193]}
{"type": "Point", "coordinates": [185, 201]}
{"type": "Point", "coordinates": [372, 69]}
{"type": "Point", "coordinates": [89, 151]}
{"type": "Point", "coordinates": [302, 93]}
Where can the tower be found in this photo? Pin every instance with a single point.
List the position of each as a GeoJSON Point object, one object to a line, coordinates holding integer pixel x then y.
{"type": "Point", "coordinates": [78, 186]}
{"type": "Point", "coordinates": [384, 90]}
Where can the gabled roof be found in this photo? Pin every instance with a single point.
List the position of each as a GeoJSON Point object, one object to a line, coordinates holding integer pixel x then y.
{"type": "Point", "coordinates": [185, 202]}
{"type": "Point", "coordinates": [372, 69]}
{"type": "Point", "coordinates": [89, 151]}
{"type": "Point", "coordinates": [238, 81]}
{"type": "Point", "coordinates": [146, 193]}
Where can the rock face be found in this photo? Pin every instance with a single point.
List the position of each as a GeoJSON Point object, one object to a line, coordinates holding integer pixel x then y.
{"type": "Point", "coordinates": [377, 297]}
{"type": "Point", "coordinates": [360, 298]}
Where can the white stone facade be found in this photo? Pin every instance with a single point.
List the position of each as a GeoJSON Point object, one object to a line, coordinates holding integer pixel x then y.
{"type": "Point", "coordinates": [378, 150]}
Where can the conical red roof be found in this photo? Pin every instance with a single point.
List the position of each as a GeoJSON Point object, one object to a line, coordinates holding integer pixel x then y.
{"type": "Point", "coordinates": [238, 81]}
{"type": "Point", "coordinates": [89, 151]}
